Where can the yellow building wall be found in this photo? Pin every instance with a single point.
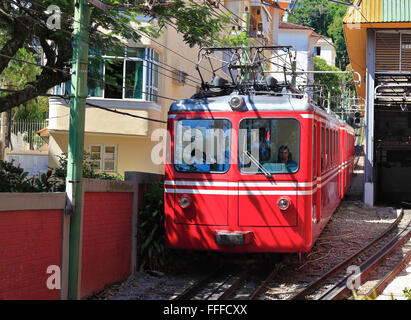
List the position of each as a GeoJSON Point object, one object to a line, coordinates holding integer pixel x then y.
{"type": "Point", "coordinates": [133, 153]}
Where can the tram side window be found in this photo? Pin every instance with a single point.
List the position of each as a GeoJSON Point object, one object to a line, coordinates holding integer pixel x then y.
{"type": "Point", "coordinates": [314, 143]}
{"type": "Point", "coordinates": [269, 145]}
{"type": "Point", "coordinates": [202, 145]}
{"type": "Point", "coordinates": [327, 148]}
{"type": "Point", "coordinates": [331, 148]}
{"type": "Point", "coordinates": [322, 149]}
{"type": "Point", "coordinates": [337, 148]}
{"type": "Point", "coordinates": [334, 148]}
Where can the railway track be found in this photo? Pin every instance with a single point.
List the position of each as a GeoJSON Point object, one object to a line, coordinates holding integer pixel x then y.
{"type": "Point", "coordinates": [218, 285]}
{"type": "Point", "coordinates": [341, 289]}
{"type": "Point", "coordinates": [232, 282]}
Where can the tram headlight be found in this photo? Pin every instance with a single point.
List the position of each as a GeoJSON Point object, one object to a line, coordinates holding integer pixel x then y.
{"type": "Point", "coordinates": [284, 203]}
{"type": "Point", "coordinates": [236, 102]}
{"type": "Point", "coordinates": [185, 201]}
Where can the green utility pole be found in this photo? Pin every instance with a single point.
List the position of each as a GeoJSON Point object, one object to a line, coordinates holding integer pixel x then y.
{"type": "Point", "coordinates": [76, 138]}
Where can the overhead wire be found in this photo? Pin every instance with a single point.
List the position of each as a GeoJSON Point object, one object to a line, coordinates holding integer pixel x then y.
{"type": "Point", "coordinates": [276, 54]}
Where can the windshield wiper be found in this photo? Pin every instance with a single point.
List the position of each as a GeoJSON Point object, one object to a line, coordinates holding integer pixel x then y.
{"type": "Point", "coordinates": [258, 164]}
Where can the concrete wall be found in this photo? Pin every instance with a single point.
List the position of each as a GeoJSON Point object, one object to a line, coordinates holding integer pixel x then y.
{"type": "Point", "coordinates": [32, 162]}
{"type": "Point", "coordinates": [34, 235]}
{"type": "Point", "coordinates": [30, 242]}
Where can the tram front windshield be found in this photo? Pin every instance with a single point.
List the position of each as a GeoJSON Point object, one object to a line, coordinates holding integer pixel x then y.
{"type": "Point", "coordinates": [269, 145]}
{"type": "Point", "coordinates": [202, 145]}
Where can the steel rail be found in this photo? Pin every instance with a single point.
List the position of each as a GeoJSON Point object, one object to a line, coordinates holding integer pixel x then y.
{"type": "Point", "coordinates": [234, 286]}
{"type": "Point", "coordinates": [389, 277]}
{"type": "Point", "coordinates": [197, 286]}
{"type": "Point", "coordinates": [341, 291]}
{"type": "Point", "coordinates": [214, 294]}
{"type": "Point", "coordinates": [262, 288]}
{"type": "Point", "coordinates": [317, 283]}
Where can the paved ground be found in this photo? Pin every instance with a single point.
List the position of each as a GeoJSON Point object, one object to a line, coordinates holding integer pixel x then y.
{"type": "Point", "coordinates": [395, 289]}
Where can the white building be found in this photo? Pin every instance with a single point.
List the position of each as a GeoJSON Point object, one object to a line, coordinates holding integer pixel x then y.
{"type": "Point", "coordinates": [308, 44]}
{"type": "Point", "coordinates": [324, 48]}
{"type": "Point", "coordinates": [304, 40]}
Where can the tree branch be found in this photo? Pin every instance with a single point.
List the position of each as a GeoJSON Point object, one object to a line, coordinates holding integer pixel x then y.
{"type": "Point", "coordinates": [47, 80]}
{"type": "Point", "coordinates": [18, 37]}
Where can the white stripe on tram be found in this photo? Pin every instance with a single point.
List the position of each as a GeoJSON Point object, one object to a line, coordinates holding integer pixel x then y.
{"type": "Point", "coordinates": [241, 192]}
{"type": "Point", "coordinates": [238, 184]}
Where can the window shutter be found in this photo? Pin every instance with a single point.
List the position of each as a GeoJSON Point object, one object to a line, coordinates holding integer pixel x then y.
{"type": "Point", "coordinates": [387, 52]}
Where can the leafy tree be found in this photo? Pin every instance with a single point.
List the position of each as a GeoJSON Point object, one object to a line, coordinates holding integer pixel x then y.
{"type": "Point", "coordinates": [313, 13]}
{"type": "Point", "coordinates": [15, 76]}
{"type": "Point", "coordinates": [23, 24]}
{"type": "Point", "coordinates": [332, 81]}
{"type": "Point", "coordinates": [336, 32]}
{"type": "Point", "coordinates": [326, 18]}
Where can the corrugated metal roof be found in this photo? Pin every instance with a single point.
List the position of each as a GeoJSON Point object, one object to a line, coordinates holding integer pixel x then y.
{"type": "Point", "coordinates": [396, 10]}
{"type": "Point", "coordinates": [380, 11]}
{"type": "Point", "coordinates": [369, 11]}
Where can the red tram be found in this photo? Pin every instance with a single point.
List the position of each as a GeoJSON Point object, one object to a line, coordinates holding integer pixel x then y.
{"type": "Point", "coordinates": [255, 172]}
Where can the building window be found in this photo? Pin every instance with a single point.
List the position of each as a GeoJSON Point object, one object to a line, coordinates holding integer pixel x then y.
{"type": "Point", "coordinates": [132, 76]}
{"type": "Point", "coordinates": [103, 157]}
{"type": "Point", "coordinates": [317, 51]}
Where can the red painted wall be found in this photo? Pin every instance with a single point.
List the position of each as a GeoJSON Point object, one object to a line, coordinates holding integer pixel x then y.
{"type": "Point", "coordinates": [107, 236]}
{"type": "Point", "coordinates": [30, 241]}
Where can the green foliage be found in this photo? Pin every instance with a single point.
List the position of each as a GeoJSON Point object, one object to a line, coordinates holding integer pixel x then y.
{"type": "Point", "coordinates": [238, 40]}
{"type": "Point", "coordinates": [407, 293]}
{"type": "Point", "coordinates": [16, 75]}
{"type": "Point", "coordinates": [35, 109]}
{"type": "Point", "coordinates": [326, 18]}
{"type": "Point", "coordinates": [14, 179]}
{"type": "Point", "coordinates": [151, 235]}
{"type": "Point", "coordinates": [331, 80]}
{"type": "Point", "coordinates": [60, 173]}
{"type": "Point", "coordinates": [195, 21]}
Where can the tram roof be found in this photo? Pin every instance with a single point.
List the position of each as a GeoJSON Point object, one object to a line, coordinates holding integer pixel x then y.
{"type": "Point", "coordinates": [284, 102]}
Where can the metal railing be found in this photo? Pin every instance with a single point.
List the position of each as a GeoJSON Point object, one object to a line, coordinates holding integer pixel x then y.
{"type": "Point", "coordinates": [24, 134]}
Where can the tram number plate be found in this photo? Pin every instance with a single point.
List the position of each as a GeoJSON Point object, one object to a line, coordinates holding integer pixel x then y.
{"type": "Point", "coordinates": [233, 238]}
